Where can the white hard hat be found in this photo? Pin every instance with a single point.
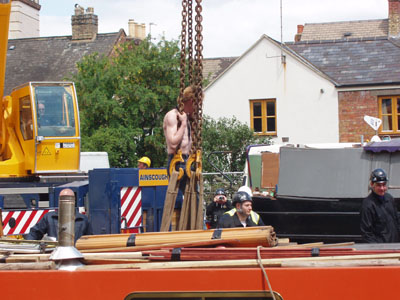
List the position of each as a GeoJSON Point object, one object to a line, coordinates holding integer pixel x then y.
{"type": "Point", "coordinates": [246, 189]}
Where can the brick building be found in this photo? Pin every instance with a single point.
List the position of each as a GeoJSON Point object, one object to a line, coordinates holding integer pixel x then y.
{"type": "Point", "coordinates": [359, 60]}
{"type": "Point", "coordinates": [363, 57]}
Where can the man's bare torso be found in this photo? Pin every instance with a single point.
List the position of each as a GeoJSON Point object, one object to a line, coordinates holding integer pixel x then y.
{"type": "Point", "coordinates": [177, 132]}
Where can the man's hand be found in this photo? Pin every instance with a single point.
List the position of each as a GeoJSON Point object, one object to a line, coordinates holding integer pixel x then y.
{"type": "Point", "coordinates": [182, 117]}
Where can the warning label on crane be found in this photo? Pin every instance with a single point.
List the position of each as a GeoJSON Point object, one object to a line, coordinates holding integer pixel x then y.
{"type": "Point", "coordinates": [46, 151]}
{"type": "Point", "coordinates": [150, 177]}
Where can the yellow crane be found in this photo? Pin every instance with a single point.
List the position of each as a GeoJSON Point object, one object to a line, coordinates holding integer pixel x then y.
{"type": "Point", "coordinates": [39, 122]}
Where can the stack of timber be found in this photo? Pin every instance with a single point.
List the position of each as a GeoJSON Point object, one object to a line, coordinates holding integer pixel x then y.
{"type": "Point", "coordinates": [252, 247]}
{"type": "Point", "coordinates": [243, 237]}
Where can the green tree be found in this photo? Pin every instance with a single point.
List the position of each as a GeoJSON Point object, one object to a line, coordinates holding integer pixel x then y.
{"type": "Point", "coordinates": [123, 100]}
{"type": "Point", "coordinates": [230, 136]}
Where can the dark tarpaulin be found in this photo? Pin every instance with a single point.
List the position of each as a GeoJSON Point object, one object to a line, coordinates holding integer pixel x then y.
{"type": "Point", "coordinates": [389, 146]}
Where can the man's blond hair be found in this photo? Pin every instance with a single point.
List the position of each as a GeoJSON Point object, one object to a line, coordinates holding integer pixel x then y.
{"type": "Point", "coordinates": [188, 93]}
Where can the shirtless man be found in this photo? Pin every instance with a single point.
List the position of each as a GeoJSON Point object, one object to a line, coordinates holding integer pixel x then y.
{"type": "Point", "coordinates": [177, 128]}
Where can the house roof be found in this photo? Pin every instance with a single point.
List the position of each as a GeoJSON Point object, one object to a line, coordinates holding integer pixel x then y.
{"type": "Point", "coordinates": [51, 58]}
{"type": "Point", "coordinates": [222, 68]}
{"type": "Point", "coordinates": [352, 62]}
{"type": "Point", "coordinates": [213, 67]}
{"type": "Point", "coordinates": [347, 29]}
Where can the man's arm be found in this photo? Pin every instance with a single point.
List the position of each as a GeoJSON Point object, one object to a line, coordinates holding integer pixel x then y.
{"type": "Point", "coordinates": [175, 125]}
{"type": "Point", "coordinates": [39, 230]}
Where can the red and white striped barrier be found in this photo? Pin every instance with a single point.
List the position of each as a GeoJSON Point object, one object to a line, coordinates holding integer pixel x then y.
{"type": "Point", "coordinates": [21, 221]}
{"type": "Point", "coordinates": [131, 209]}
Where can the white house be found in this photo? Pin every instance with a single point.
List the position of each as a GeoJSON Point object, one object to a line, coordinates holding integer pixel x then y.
{"type": "Point", "coordinates": [278, 94]}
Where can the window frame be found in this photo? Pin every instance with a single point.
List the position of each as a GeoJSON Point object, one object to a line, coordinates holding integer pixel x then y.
{"type": "Point", "coordinates": [264, 117]}
{"type": "Point", "coordinates": [395, 115]}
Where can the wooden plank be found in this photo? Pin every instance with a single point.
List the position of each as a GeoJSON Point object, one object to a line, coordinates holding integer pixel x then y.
{"type": "Point", "coordinates": [166, 245]}
{"type": "Point", "coordinates": [193, 202]}
{"type": "Point", "coordinates": [184, 217]}
{"type": "Point", "coordinates": [270, 170]}
{"type": "Point", "coordinates": [48, 265]}
{"type": "Point", "coordinates": [249, 236]}
{"type": "Point", "coordinates": [200, 207]}
{"type": "Point", "coordinates": [342, 263]}
{"type": "Point", "coordinates": [169, 202]}
{"type": "Point", "coordinates": [238, 263]}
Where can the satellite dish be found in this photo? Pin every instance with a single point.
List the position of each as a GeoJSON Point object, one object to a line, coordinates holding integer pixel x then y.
{"type": "Point", "coordinates": [375, 138]}
{"type": "Point", "coordinates": [373, 122]}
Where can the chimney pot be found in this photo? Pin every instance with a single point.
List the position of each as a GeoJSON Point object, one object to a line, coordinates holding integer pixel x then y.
{"type": "Point", "coordinates": [90, 10]}
{"type": "Point", "coordinates": [300, 29]}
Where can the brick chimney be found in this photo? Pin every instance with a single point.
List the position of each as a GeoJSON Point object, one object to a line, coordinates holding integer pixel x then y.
{"type": "Point", "coordinates": [297, 37]}
{"type": "Point", "coordinates": [394, 18]}
{"type": "Point", "coordinates": [84, 25]}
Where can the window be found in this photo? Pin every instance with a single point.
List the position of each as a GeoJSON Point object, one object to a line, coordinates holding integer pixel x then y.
{"type": "Point", "coordinates": [263, 116]}
{"type": "Point", "coordinates": [55, 110]}
{"type": "Point", "coordinates": [389, 113]}
{"type": "Point", "coordinates": [25, 111]}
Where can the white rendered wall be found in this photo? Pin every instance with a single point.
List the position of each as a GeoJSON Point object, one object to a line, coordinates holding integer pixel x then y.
{"type": "Point", "coordinates": [304, 114]}
{"type": "Point", "coordinates": [24, 21]}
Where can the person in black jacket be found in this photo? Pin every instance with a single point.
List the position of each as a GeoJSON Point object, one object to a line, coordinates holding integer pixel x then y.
{"type": "Point", "coordinates": [49, 225]}
{"type": "Point", "coordinates": [242, 215]}
{"type": "Point", "coordinates": [217, 207]}
{"type": "Point", "coordinates": [379, 218]}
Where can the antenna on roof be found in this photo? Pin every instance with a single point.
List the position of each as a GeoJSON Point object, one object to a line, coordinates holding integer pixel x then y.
{"type": "Point", "coordinates": [283, 57]}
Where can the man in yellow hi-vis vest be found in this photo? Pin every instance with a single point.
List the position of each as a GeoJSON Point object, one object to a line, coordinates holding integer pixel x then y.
{"type": "Point", "coordinates": [242, 215]}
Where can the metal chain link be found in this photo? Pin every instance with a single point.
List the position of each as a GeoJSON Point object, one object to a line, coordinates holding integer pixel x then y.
{"type": "Point", "coordinates": [198, 71]}
{"type": "Point", "coordinates": [190, 41]}
{"type": "Point", "coordinates": [183, 55]}
{"type": "Point", "coordinates": [195, 68]}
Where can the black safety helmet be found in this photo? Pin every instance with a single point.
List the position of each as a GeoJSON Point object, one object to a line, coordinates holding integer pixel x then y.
{"type": "Point", "coordinates": [220, 191]}
{"type": "Point", "coordinates": [241, 197]}
{"type": "Point", "coordinates": [378, 175]}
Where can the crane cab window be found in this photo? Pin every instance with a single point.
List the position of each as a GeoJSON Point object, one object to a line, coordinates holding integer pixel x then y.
{"type": "Point", "coordinates": [55, 111]}
{"type": "Point", "coordinates": [25, 111]}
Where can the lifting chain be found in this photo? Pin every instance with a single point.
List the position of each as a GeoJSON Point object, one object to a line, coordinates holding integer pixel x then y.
{"type": "Point", "coordinates": [197, 123]}
{"type": "Point", "coordinates": [195, 78]}
{"type": "Point", "coordinates": [183, 54]}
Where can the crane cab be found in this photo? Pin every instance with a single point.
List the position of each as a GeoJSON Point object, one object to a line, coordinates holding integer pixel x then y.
{"type": "Point", "coordinates": [41, 130]}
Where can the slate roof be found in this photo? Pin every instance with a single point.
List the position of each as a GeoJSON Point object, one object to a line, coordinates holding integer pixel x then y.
{"type": "Point", "coordinates": [351, 62]}
{"type": "Point", "coordinates": [213, 67]}
{"type": "Point", "coordinates": [346, 29]}
{"type": "Point", "coordinates": [51, 58]}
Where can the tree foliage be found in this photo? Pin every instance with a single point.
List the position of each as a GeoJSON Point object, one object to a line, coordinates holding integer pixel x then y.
{"type": "Point", "coordinates": [231, 137]}
{"type": "Point", "coordinates": [123, 100]}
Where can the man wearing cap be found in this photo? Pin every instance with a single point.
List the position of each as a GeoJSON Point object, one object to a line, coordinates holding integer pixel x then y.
{"type": "Point", "coordinates": [379, 218]}
{"type": "Point", "coordinates": [242, 215]}
{"type": "Point", "coordinates": [144, 163]}
{"type": "Point", "coordinates": [217, 207]}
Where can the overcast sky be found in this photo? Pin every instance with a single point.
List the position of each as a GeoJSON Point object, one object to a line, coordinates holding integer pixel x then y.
{"type": "Point", "coordinates": [230, 27]}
